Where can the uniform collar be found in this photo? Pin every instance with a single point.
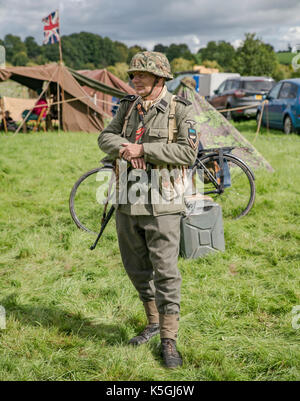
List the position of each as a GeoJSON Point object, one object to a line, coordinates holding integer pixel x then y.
{"type": "Point", "coordinates": [160, 102]}
{"type": "Point", "coordinates": [163, 103]}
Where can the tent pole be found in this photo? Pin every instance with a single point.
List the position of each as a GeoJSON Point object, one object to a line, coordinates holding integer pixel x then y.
{"type": "Point", "coordinates": [62, 94]}
{"type": "Point", "coordinates": [58, 106]}
{"type": "Point", "coordinates": [62, 84]}
{"type": "Point", "coordinates": [3, 114]}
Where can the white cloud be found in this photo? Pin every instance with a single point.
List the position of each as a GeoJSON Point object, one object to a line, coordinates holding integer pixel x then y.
{"type": "Point", "coordinates": [293, 35]}
{"type": "Point", "coordinates": [147, 22]}
{"type": "Point", "coordinates": [237, 43]}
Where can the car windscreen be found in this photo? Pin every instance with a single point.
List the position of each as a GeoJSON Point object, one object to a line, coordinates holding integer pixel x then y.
{"type": "Point", "coordinates": [257, 85]}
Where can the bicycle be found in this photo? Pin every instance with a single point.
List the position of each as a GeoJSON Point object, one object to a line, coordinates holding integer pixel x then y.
{"type": "Point", "coordinates": [235, 194]}
{"type": "Point", "coordinates": [227, 179]}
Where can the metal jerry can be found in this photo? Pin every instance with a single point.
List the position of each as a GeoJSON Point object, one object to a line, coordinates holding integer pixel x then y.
{"type": "Point", "coordinates": [202, 230]}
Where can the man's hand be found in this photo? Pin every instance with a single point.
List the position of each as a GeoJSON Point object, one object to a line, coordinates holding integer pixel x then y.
{"type": "Point", "coordinates": [131, 151]}
{"type": "Point", "coordinates": [139, 163]}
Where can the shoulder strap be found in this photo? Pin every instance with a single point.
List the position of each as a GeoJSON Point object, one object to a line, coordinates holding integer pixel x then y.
{"type": "Point", "coordinates": [127, 116]}
{"type": "Point", "coordinates": [172, 121]}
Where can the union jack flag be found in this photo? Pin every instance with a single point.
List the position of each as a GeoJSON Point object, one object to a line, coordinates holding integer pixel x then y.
{"type": "Point", "coordinates": [51, 28]}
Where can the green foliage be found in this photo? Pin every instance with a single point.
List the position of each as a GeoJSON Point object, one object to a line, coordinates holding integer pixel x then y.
{"type": "Point", "coordinates": [13, 45]}
{"type": "Point", "coordinates": [133, 50]}
{"type": "Point", "coordinates": [84, 47]}
{"type": "Point", "coordinates": [181, 64]}
{"type": "Point", "coordinates": [122, 51]}
{"type": "Point", "coordinates": [20, 58]}
{"type": "Point", "coordinates": [212, 64]}
{"type": "Point", "coordinates": [120, 70]}
{"type": "Point", "coordinates": [86, 50]}
{"type": "Point", "coordinates": [32, 48]}
{"type": "Point", "coordinates": [254, 57]}
{"type": "Point", "coordinates": [222, 52]}
{"type": "Point", "coordinates": [179, 51]}
{"type": "Point", "coordinates": [160, 48]}
{"type": "Point", "coordinates": [282, 71]}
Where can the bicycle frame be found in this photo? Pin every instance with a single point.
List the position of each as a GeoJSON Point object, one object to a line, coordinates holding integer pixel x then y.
{"type": "Point", "coordinates": [218, 152]}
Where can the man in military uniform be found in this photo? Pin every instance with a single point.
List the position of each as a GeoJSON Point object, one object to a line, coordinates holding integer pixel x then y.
{"type": "Point", "coordinates": [149, 233]}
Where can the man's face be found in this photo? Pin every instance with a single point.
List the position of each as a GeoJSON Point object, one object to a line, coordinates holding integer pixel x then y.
{"type": "Point", "coordinates": [142, 82]}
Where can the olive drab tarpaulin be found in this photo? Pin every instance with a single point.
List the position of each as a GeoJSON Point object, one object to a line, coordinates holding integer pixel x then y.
{"type": "Point", "coordinates": [94, 84]}
{"type": "Point", "coordinates": [104, 100]}
{"type": "Point", "coordinates": [79, 111]}
{"type": "Point", "coordinates": [216, 131]}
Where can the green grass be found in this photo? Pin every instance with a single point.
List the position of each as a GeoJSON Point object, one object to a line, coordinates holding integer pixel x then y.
{"type": "Point", "coordinates": [70, 311]}
{"type": "Point", "coordinates": [285, 57]}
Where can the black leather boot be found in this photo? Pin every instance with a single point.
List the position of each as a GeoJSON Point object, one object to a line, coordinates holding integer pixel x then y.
{"type": "Point", "coordinates": [171, 356]}
{"type": "Point", "coordinates": [149, 331]}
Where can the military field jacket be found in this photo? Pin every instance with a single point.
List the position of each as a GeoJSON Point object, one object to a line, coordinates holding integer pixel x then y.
{"type": "Point", "coordinates": [157, 150]}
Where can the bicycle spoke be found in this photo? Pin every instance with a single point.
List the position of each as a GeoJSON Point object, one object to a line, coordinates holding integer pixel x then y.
{"type": "Point", "coordinates": [239, 191]}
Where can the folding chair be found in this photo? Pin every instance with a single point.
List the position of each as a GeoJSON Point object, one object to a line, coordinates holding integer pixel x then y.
{"type": "Point", "coordinates": [38, 122]}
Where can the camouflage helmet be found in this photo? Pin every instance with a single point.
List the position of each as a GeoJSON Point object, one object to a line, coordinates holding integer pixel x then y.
{"type": "Point", "coordinates": [154, 62]}
{"type": "Point", "coordinates": [189, 82]}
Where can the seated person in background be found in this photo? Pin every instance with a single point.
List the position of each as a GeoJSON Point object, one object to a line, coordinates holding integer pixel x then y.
{"type": "Point", "coordinates": [38, 108]}
{"type": "Point", "coordinates": [11, 125]}
{"type": "Point", "coordinates": [41, 105]}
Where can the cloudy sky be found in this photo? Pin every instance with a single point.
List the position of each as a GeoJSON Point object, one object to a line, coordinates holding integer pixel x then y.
{"type": "Point", "coordinates": [148, 22]}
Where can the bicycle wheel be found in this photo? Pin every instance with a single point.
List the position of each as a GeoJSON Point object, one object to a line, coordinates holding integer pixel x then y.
{"type": "Point", "coordinates": [238, 197]}
{"type": "Point", "coordinates": [88, 197]}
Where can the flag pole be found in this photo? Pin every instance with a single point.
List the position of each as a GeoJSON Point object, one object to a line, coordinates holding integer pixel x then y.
{"type": "Point", "coordinates": [60, 71]}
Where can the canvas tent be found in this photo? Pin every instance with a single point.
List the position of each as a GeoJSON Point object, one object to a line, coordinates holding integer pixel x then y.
{"type": "Point", "coordinates": [216, 131]}
{"type": "Point", "coordinates": [17, 105]}
{"type": "Point", "coordinates": [104, 100]}
{"type": "Point", "coordinates": [79, 113]}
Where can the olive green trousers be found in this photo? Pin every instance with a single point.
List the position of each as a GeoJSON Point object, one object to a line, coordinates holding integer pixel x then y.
{"type": "Point", "coordinates": [149, 247]}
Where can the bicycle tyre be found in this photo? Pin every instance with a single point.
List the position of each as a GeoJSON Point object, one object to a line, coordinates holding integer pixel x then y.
{"type": "Point", "coordinates": [238, 199]}
{"type": "Point", "coordinates": [85, 210]}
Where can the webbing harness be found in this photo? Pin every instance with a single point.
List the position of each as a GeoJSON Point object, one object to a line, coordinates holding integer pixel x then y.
{"type": "Point", "coordinates": [172, 128]}
{"type": "Point", "coordinates": [172, 122]}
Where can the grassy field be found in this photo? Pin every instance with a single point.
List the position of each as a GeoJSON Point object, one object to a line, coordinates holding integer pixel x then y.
{"type": "Point", "coordinates": [70, 311]}
{"type": "Point", "coordinates": [285, 57]}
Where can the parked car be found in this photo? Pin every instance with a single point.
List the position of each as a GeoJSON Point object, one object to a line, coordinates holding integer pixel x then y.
{"type": "Point", "coordinates": [283, 108]}
{"type": "Point", "coordinates": [205, 83]}
{"type": "Point", "coordinates": [241, 91]}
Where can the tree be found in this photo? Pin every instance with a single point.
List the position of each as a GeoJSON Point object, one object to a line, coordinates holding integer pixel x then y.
{"type": "Point", "coordinates": [160, 48]}
{"type": "Point", "coordinates": [20, 58]}
{"type": "Point", "coordinates": [88, 66]}
{"type": "Point", "coordinates": [50, 52]}
{"type": "Point", "coordinates": [222, 52]}
{"type": "Point", "coordinates": [32, 48]}
{"type": "Point", "coordinates": [179, 51]}
{"type": "Point", "coordinates": [122, 51]}
{"type": "Point", "coordinates": [212, 64]}
{"type": "Point", "coordinates": [282, 71]}
{"type": "Point", "coordinates": [13, 45]}
{"type": "Point", "coordinates": [119, 70]}
{"type": "Point", "coordinates": [254, 57]}
{"type": "Point", "coordinates": [133, 50]}
{"type": "Point", "coordinates": [180, 64]}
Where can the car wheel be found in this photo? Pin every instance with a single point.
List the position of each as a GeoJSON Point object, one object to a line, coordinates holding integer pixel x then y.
{"type": "Point", "coordinates": [287, 125]}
